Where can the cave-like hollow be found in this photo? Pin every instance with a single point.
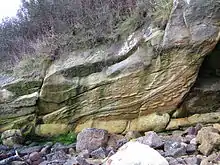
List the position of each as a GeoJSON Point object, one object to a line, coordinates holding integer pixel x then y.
{"type": "Point", "coordinates": [204, 96]}
{"type": "Point", "coordinates": [210, 67]}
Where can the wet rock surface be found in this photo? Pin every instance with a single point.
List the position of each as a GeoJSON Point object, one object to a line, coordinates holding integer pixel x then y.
{"type": "Point", "coordinates": [177, 147]}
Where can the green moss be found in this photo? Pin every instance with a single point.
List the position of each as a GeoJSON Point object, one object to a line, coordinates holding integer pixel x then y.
{"type": "Point", "coordinates": [66, 139]}
{"type": "Point", "coordinates": [129, 25]}
{"type": "Point", "coordinates": [162, 10]}
{"type": "Point", "coordinates": [24, 123]}
{"type": "Point", "coordinates": [24, 87]}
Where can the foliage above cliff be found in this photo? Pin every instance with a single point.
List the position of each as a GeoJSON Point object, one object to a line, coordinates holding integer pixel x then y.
{"type": "Point", "coordinates": [73, 24]}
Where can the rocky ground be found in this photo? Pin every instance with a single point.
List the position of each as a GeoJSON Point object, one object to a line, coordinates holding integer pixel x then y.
{"type": "Point", "coordinates": [192, 146]}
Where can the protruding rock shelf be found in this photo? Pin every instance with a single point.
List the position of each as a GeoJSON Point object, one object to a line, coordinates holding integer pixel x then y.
{"type": "Point", "coordinates": [140, 84]}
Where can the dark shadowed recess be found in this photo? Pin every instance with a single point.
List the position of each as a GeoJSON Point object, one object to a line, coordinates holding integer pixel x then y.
{"type": "Point", "coordinates": [211, 65]}
{"type": "Point", "coordinates": [204, 97]}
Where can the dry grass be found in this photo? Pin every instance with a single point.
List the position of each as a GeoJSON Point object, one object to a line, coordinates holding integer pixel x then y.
{"type": "Point", "coordinates": [162, 10]}
{"type": "Point", "coordinates": [145, 12]}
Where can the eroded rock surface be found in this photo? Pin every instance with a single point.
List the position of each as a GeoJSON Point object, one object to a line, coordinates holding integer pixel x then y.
{"type": "Point", "coordinates": [116, 88]}
{"type": "Point", "coordinates": [130, 85]}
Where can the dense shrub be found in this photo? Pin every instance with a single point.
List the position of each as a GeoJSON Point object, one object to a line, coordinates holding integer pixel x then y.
{"type": "Point", "coordinates": [73, 24]}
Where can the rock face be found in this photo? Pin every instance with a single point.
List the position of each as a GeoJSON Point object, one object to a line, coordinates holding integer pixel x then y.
{"type": "Point", "coordinates": [18, 104]}
{"type": "Point", "coordinates": [134, 84]}
{"type": "Point", "coordinates": [118, 88]}
{"type": "Point", "coordinates": [204, 96]}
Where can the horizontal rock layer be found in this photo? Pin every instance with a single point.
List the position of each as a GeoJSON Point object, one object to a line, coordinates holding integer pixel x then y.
{"type": "Point", "coordinates": [134, 84]}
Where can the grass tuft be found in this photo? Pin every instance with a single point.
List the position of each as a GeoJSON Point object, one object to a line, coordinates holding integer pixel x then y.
{"type": "Point", "coordinates": [66, 139]}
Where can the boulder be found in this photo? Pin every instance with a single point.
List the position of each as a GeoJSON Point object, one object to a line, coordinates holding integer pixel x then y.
{"type": "Point", "coordinates": [100, 153]}
{"type": "Point", "coordinates": [114, 141]}
{"type": "Point", "coordinates": [71, 161]}
{"type": "Point", "coordinates": [216, 126]}
{"type": "Point", "coordinates": [191, 148]}
{"type": "Point", "coordinates": [151, 139]}
{"type": "Point", "coordinates": [91, 139]}
{"type": "Point", "coordinates": [46, 130]}
{"type": "Point", "coordinates": [132, 135]}
{"type": "Point", "coordinates": [174, 149]}
{"type": "Point", "coordinates": [30, 149]}
{"type": "Point", "coordinates": [212, 117]}
{"type": "Point", "coordinates": [209, 139]}
{"type": "Point", "coordinates": [18, 163]}
{"type": "Point", "coordinates": [127, 155]}
{"type": "Point", "coordinates": [213, 159]}
{"type": "Point", "coordinates": [35, 156]}
{"type": "Point", "coordinates": [12, 137]}
{"type": "Point", "coordinates": [192, 160]}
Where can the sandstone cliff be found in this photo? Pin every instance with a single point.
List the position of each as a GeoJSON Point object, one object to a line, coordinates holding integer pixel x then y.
{"type": "Point", "coordinates": [143, 83]}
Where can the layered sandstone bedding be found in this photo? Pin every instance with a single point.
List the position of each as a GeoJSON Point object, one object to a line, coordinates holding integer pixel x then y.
{"type": "Point", "coordinates": [143, 83]}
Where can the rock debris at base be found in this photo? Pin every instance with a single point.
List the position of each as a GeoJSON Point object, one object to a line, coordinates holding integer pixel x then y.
{"type": "Point", "coordinates": [199, 145]}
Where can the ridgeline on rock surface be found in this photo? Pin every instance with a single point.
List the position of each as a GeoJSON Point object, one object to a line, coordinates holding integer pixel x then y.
{"type": "Point", "coordinates": [116, 68]}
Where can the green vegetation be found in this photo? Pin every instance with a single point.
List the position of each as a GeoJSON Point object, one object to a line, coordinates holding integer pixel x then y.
{"type": "Point", "coordinates": [63, 26]}
{"type": "Point", "coordinates": [66, 139]}
{"type": "Point", "coordinates": [32, 66]}
{"type": "Point", "coordinates": [161, 10]}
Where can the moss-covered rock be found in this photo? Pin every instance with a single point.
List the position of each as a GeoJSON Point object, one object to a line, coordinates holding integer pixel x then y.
{"type": "Point", "coordinates": [22, 87]}
{"type": "Point", "coordinates": [47, 130]}
{"type": "Point", "coordinates": [25, 123]}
